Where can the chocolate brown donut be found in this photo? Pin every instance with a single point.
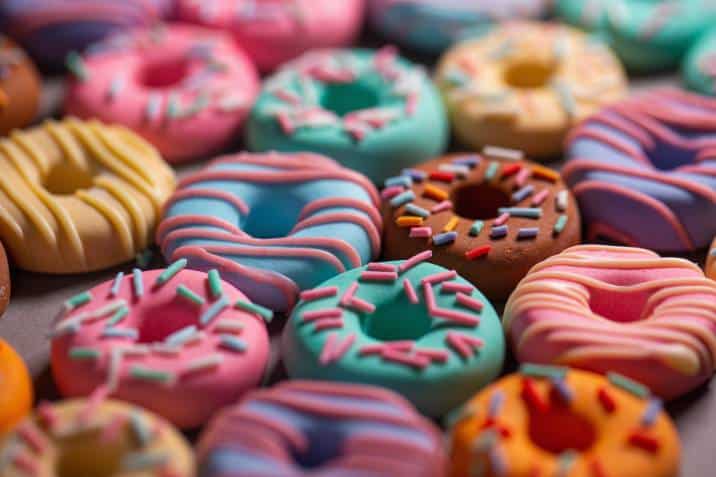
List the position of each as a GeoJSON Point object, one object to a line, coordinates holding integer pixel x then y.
{"type": "Point", "coordinates": [452, 205]}
{"type": "Point", "coordinates": [19, 87]}
{"type": "Point", "coordinates": [4, 280]}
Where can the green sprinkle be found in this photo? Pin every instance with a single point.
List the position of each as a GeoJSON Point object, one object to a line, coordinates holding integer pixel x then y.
{"type": "Point", "coordinates": [78, 300]}
{"type": "Point", "coordinates": [143, 258]}
{"type": "Point", "coordinates": [147, 374]}
{"type": "Point", "coordinates": [137, 462]}
{"type": "Point", "coordinates": [77, 66]}
{"type": "Point", "coordinates": [565, 462]}
{"type": "Point", "coordinates": [118, 316]}
{"type": "Point", "coordinates": [184, 292]}
{"type": "Point", "coordinates": [457, 415]}
{"type": "Point", "coordinates": [628, 385]}
{"type": "Point", "coordinates": [543, 371]}
{"type": "Point", "coordinates": [491, 171]}
{"type": "Point", "coordinates": [476, 228]}
{"type": "Point", "coordinates": [140, 429]}
{"type": "Point", "coordinates": [173, 110]}
{"type": "Point", "coordinates": [82, 353]}
{"type": "Point", "coordinates": [215, 283]}
{"type": "Point", "coordinates": [171, 270]}
{"type": "Point", "coordinates": [485, 441]}
{"type": "Point", "coordinates": [264, 313]}
{"type": "Point", "coordinates": [561, 223]}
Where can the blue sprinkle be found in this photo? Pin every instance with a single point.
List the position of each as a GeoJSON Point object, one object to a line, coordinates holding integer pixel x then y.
{"type": "Point", "coordinates": [404, 181]}
{"type": "Point", "coordinates": [233, 343]}
{"type": "Point", "coordinates": [444, 238]}
{"type": "Point", "coordinates": [416, 210]}
{"type": "Point", "coordinates": [180, 337]}
{"type": "Point", "coordinates": [563, 389]}
{"type": "Point", "coordinates": [117, 283]}
{"type": "Point", "coordinates": [469, 161]}
{"type": "Point", "coordinates": [402, 198]}
{"type": "Point", "coordinates": [129, 333]}
{"type": "Point", "coordinates": [491, 171]}
{"type": "Point", "coordinates": [213, 311]}
{"type": "Point", "coordinates": [496, 401]}
{"type": "Point", "coordinates": [653, 409]}
{"type": "Point", "coordinates": [525, 212]}
{"type": "Point", "coordinates": [527, 232]}
{"type": "Point", "coordinates": [498, 232]}
{"type": "Point", "coordinates": [523, 193]}
{"type": "Point", "coordinates": [138, 283]}
{"type": "Point", "coordinates": [476, 228]}
{"type": "Point", "coordinates": [415, 174]}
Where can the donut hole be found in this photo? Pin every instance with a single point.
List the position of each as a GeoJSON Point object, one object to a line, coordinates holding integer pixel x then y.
{"type": "Point", "coordinates": [344, 98]}
{"type": "Point", "coordinates": [618, 307]}
{"type": "Point", "coordinates": [528, 74]}
{"type": "Point", "coordinates": [164, 73]}
{"type": "Point", "coordinates": [162, 319]}
{"type": "Point", "coordinates": [325, 442]}
{"type": "Point", "coordinates": [479, 201]}
{"type": "Point", "coordinates": [397, 320]}
{"type": "Point", "coordinates": [66, 178]}
{"type": "Point", "coordinates": [78, 456]}
{"type": "Point", "coordinates": [559, 429]}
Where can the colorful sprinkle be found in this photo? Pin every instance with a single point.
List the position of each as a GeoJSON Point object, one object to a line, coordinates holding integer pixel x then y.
{"type": "Point", "coordinates": [140, 429]}
{"type": "Point", "coordinates": [442, 206]}
{"type": "Point", "coordinates": [563, 389]}
{"type": "Point", "coordinates": [503, 153]}
{"type": "Point", "coordinates": [499, 232]}
{"type": "Point", "coordinates": [608, 403]}
{"type": "Point", "coordinates": [415, 174]}
{"type": "Point", "coordinates": [444, 238]}
{"type": "Point", "coordinates": [478, 252]}
{"type": "Point", "coordinates": [476, 228]}
{"type": "Point", "coordinates": [652, 411]}
{"type": "Point", "coordinates": [114, 291]}
{"type": "Point", "coordinates": [469, 302]}
{"type": "Point", "coordinates": [562, 200]}
{"type": "Point", "coordinates": [420, 232]}
{"type": "Point", "coordinates": [434, 192]}
{"type": "Point", "coordinates": [628, 385]}
{"type": "Point", "coordinates": [78, 300]}
{"type": "Point", "coordinates": [263, 312]}
{"type": "Point", "coordinates": [171, 270]}
{"type": "Point", "coordinates": [318, 293]}
{"type": "Point", "coordinates": [215, 283]}
{"type": "Point", "coordinates": [452, 223]}
{"type": "Point", "coordinates": [496, 401]}
{"type": "Point", "coordinates": [560, 224]}
{"type": "Point", "coordinates": [522, 212]}
{"type": "Point", "coordinates": [523, 193]}
{"type": "Point", "coordinates": [531, 396]}
{"type": "Point", "coordinates": [137, 282]}
{"type": "Point", "coordinates": [232, 343]}
{"type": "Point", "coordinates": [510, 169]}
{"type": "Point", "coordinates": [527, 233]}
{"type": "Point", "coordinates": [84, 353]}
{"type": "Point", "coordinates": [540, 197]}
{"type": "Point", "coordinates": [501, 220]}
{"type": "Point", "coordinates": [378, 276]}
{"type": "Point", "coordinates": [185, 292]}
{"type": "Point", "coordinates": [456, 287]}
{"type": "Point", "coordinates": [404, 181]}
{"type": "Point", "coordinates": [182, 336]}
{"type": "Point", "coordinates": [147, 374]}
{"type": "Point", "coordinates": [542, 172]}
{"type": "Point", "coordinates": [469, 161]}
{"type": "Point", "coordinates": [137, 462]}
{"type": "Point", "coordinates": [129, 333]}
{"type": "Point", "coordinates": [491, 171]}
{"type": "Point", "coordinates": [644, 441]}
{"type": "Point", "coordinates": [315, 315]}
{"type": "Point", "coordinates": [203, 363]}
{"type": "Point", "coordinates": [408, 221]}
{"type": "Point", "coordinates": [402, 198]}
{"type": "Point", "coordinates": [415, 260]}
{"type": "Point", "coordinates": [410, 292]}
{"type": "Point", "coordinates": [77, 66]}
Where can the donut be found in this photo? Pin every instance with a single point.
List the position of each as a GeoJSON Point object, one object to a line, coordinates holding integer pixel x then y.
{"type": "Point", "coordinates": [79, 196]}
{"type": "Point", "coordinates": [302, 428]}
{"type": "Point", "coordinates": [557, 421]}
{"type": "Point", "coordinates": [184, 89]}
{"type": "Point", "coordinates": [405, 325]}
{"type": "Point", "coordinates": [525, 84]}
{"type": "Point", "coordinates": [653, 159]}
{"type": "Point", "coordinates": [372, 111]}
{"type": "Point", "coordinates": [603, 308]}
{"type": "Point", "coordinates": [275, 31]}
{"type": "Point", "coordinates": [4, 280]}
{"type": "Point", "coordinates": [161, 339]}
{"type": "Point", "coordinates": [15, 389]}
{"type": "Point", "coordinates": [430, 26]}
{"type": "Point", "coordinates": [699, 66]}
{"type": "Point", "coordinates": [19, 87]}
{"type": "Point", "coordinates": [490, 216]}
{"type": "Point", "coordinates": [50, 29]}
{"type": "Point", "coordinates": [274, 224]}
{"type": "Point", "coordinates": [95, 437]}
{"type": "Point", "coordinates": [710, 267]}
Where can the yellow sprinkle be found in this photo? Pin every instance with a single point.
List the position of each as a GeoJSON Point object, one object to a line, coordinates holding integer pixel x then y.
{"type": "Point", "coordinates": [409, 221]}
{"type": "Point", "coordinates": [452, 223]}
{"type": "Point", "coordinates": [434, 192]}
{"type": "Point", "coordinates": [541, 172]}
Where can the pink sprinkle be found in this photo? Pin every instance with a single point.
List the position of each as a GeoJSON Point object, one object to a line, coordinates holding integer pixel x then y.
{"type": "Point", "coordinates": [429, 297]}
{"type": "Point", "coordinates": [390, 192]}
{"type": "Point", "coordinates": [285, 122]}
{"type": "Point", "coordinates": [342, 348]}
{"type": "Point", "coordinates": [455, 316]}
{"type": "Point", "coordinates": [371, 349]}
{"type": "Point", "coordinates": [415, 259]}
{"type": "Point", "coordinates": [410, 292]}
{"type": "Point", "coordinates": [420, 232]}
{"type": "Point", "coordinates": [411, 104]}
{"type": "Point", "coordinates": [469, 302]}
{"type": "Point", "coordinates": [418, 362]}
{"type": "Point", "coordinates": [47, 414]}
{"type": "Point", "coordinates": [348, 295]}
{"type": "Point", "coordinates": [362, 305]}
{"type": "Point", "coordinates": [501, 219]}
{"type": "Point", "coordinates": [381, 267]}
{"type": "Point", "coordinates": [112, 431]}
{"type": "Point", "coordinates": [522, 176]}
{"type": "Point", "coordinates": [26, 463]}
{"type": "Point", "coordinates": [318, 293]}
{"type": "Point", "coordinates": [439, 277]}
{"type": "Point", "coordinates": [463, 344]}
{"type": "Point", "coordinates": [328, 323]}
{"type": "Point", "coordinates": [455, 287]}
{"type": "Point", "coordinates": [379, 276]}
{"type": "Point", "coordinates": [441, 207]}
{"type": "Point", "coordinates": [33, 437]}
{"type": "Point", "coordinates": [438, 355]}
{"type": "Point", "coordinates": [540, 197]}
{"type": "Point", "coordinates": [287, 96]}
{"type": "Point", "coordinates": [402, 345]}
{"type": "Point", "coordinates": [94, 400]}
{"type": "Point", "coordinates": [319, 314]}
{"type": "Point", "coordinates": [332, 350]}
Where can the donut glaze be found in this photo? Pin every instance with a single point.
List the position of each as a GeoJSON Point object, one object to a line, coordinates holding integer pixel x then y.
{"type": "Point", "coordinates": [430, 26]}
{"type": "Point", "coordinates": [186, 90]}
{"type": "Point", "coordinates": [372, 111]}
{"type": "Point", "coordinates": [301, 428]}
{"type": "Point", "coordinates": [15, 389]}
{"type": "Point", "coordinates": [19, 87]}
{"type": "Point", "coordinates": [95, 437]}
{"type": "Point", "coordinates": [4, 280]}
{"type": "Point", "coordinates": [50, 29]}
{"type": "Point", "coordinates": [275, 31]}
{"type": "Point", "coordinates": [490, 216]}
{"type": "Point", "coordinates": [699, 67]}
{"type": "Point", "coordinates": [353, 328]}
{"type": "Point", "coordinates": [556, 421]}
{"type": "Point", "coordinates": [624, 309]}
{"type": "Point", "coordinates": [79, 196]}
{"type": "Point", "coordinates": [178, 342]}
{"type": "Point", "coordinates": [275, 224]}
{"type": "Point", "coordinates": [653, 159]}
{"type": "Point", "coordinates": [525, 84]}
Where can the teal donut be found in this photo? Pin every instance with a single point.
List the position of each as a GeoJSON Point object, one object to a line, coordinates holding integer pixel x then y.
{"type": "Point", "coordinates": [699, 68]}
{"type": "Point", "coordinates": [372, 111]}
{"type": "Point", "coordinates": [361, 326]}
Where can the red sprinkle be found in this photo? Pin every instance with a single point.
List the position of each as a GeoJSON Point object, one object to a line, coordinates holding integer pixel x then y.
{"type": "Point", "coordinates": [442, 176]}
{"type": "Point", "coordinates": [511, 170]}
{"type": "Point", "coordinates": [531, 395]}
{"type": "Point", "coordinates": [597, 469]}
{"type": "Point", "coordinates": [606, 400]}
{"type": "Point", "coordinates": [478, 252]}
{"type": "Point", "coordinates": [644, 441]}
{"type": "Point", "coordinates": [505, 432]}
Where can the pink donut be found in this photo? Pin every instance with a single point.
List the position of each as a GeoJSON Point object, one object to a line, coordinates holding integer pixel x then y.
{"type": "Point", "coordinates": [275, 31]}
{"type": "Point", "coordinates": [621, 309]}
{"type": "Point", "coordinates": [185, 89]}
{"type": "Point", "coordinates": [178, 342]}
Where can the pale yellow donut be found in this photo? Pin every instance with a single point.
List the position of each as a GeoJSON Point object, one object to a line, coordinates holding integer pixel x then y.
{"type": "Point", "coordinates": [79, 438]}
{"type": "Point", "coordinates": [525, 84]}
{"type": "Point", "coordinates": [79, 196]}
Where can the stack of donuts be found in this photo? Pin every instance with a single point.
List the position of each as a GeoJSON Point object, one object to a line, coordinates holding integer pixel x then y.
{"type": "Point", "coordinates": [375, 238]}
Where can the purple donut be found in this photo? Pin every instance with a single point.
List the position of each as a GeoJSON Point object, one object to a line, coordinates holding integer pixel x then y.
{"type": "Point", "coordinates": [50, 29]}
{"type": "Point", "coordinates": [644, 171]}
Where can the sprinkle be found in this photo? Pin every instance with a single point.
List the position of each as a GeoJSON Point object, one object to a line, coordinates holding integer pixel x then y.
{"type": "Point", "coordinates": [562, 200]}
{"type": "Point", "coordinates": [491, 171]}
{"type": "Point", "coordinates": [444, 238]}
{"type": "Point", "coordinates": [501, 220]}
{"type": "Point", "coordinates": [116, 284]}
{"type": "Point", "coordinates": [153, 107]}
{"type": "Point", "coordinates": [64, 329]}
{"type": "Point", "coordinates": [390, 192]}
{"type": "Point", "coordinates": [644, 441]}
{"type": "Point", "coordinates": [415, 174]}
{"type": "Point", "coordinates": [172, 270]}
{"type": "Point", "coordinates": [140, 429]}
{"type": "Point", "coordinates": [469, 302]}
{"type": "Point", "coordinates": [496, 401]}
{"type": "Point", "coordinates": [118, 316]}
{"type": "Point", "coordinates": [129, 333]}
{"type": "Point", "coordinates": [147, 374]}
{"type": "Point", "coordinates": [173, 107]}
{"type": "Point", "coordinates": [77, 66]}
{"type": "Point", "coordinates": [566, 98]}
{"type": "Point", "coordinates": [522, 176]}
{"type": "Point", "coordinates": [203, 363]}
{"type": "Point", "coordinates": [184, 292]}
{"type": "Point", "coordinates": [228, 326]}
{"type": "Point", "coordinates": [182, 336]}
{"type": "Point", "coordinates": [478, 252]}
{"type": "Point", "coordinates": [263, 312]}
{"type": "Point", "coordinates": [498, 463]}
{"type": "Point", "coordinates": [564, 391]}
{"type": "Point", "coordinates": [378, 276]}
{"type": "Point", "coordinates": [414, 361]}
{"type": "Point", "coordinates": [451, 315]}
{"type": "Point", "coordinates": [33, 437]}
{"type": "Point", "coordinates": [464, 345]}
{"type": "Point", "coordinates": [441, 176]}
{"type": "Point", "coordinates": [527, 233]}
{"type": "Point", "coordinates": [322, 325]}
{"type": "Point", "coordinates": [321, 314]}
{"type": "Point", "coordinates": [349, 294]}
{"type": "Point", "coordinates": [116, 86]}
{"type": "Point", "coordinates": [523, 193]}
{"type": "Point", "coordinates": [543, 371]}
{"type": "Point", "coordinates": [232, 343]}
{"type": "Point", "coordinates": [84, 353]}
{"type": "Point", "coordinates": [361, 305]}
{"type": "Point", "coordinates": [565, 462]}
{"type": "Point", "coordinates": [441, 207]}
{"type": "Point", "coordinates": [510, 170]}
{"type": "Point", "coordinates": [78, 300]}
{"type": "Point", "coordinates": [498, 232]}
{"type": "Point", "coordinates": [652, 411]}
{"type": "Point", "coordinates": [405, 181]}
{"type": "Point", "coordinates": [606, 400]}
{"type": "Point", "coordinates": [333, 350]}
{"type": "Point", "coordinates": [560, 224]}
{"type": "Point", "coordinates": [503, 153]}
{"type": "Point", "coordinates": [402, 198]}
{"type": "Point", "coordinates": [215, 283]}
{"type": "Point", "coordinates": [137, 282]}
{"type": "Point", "coordinates": [456, 287]}
{"type": "Point", "coordinates": [410, 292]}
{"type": "Point", "coordinates": [542, 172]}
{"type": "Point", "coordinates": [408, 221]}
{"type": "Point", "coordinates": [420, 232]}
{"type": "Point", "coordinates": [452, 223]}
{"type": "Point", "coordinates": [628, 385]}
{"type": "Point", "coordinates": [136, 462]}
{"type": "Point", "coordinates": [318, 293]}
{"type": "Point", "coordinates": [597, 469]}
{"type": "Point", "coordinates": [540, 197]}
{"type": "Point", "coordinates": [523, 212]}
{"type": "Point", "coordinates": [476, 228]}
{"type": "Point", "coordinates": [416, 210]}
{"type": "Point", "coordinates": [434, 192]}
{"type": "Point", "coordinates": [469, 161]}
{"type": "Point", "coordinates": [531, 396]}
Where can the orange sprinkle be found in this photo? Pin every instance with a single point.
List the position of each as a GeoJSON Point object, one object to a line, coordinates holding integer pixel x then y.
{"type": "Point", "coordinates": [408, 221]}
{"type": "Point", "coordinates": [452, 223]}
{"type": "Point", "coordinates": [541, 172]}
{"type": "Point", "coordinates": [434, 192]}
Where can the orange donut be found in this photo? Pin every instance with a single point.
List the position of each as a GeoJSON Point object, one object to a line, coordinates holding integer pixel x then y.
{"type": "Point", "coordinates": [550, 421]}
{"type": "Point", "coordinates": [19, 87]}
{"type": "Point", "coordinates": [15, 388]}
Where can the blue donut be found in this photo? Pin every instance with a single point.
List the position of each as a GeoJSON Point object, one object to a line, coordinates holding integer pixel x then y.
{"type": "Point", "coordinates": [321, 429]}
{"type": "Point", "coordinates": [373, 112]}
{"type": "Point", "coordinates": [275, 224]}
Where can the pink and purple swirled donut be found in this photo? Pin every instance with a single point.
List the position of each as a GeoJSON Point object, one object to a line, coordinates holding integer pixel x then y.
{"type": "Point", "coordinates": [644, 171]}
{"type": "Point", "coordinates": [50, 29]}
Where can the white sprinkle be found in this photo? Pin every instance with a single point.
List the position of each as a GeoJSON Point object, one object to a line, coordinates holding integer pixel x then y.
{"type": "Point", "coordinates": [503, 153]}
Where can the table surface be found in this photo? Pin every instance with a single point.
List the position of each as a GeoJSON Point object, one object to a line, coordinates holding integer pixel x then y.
{"type": "Point", "coordinates": [37, 298]}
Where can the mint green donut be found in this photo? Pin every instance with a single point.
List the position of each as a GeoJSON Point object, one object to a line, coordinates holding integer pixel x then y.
{"type": "Point", "coordinates": [699, 68]}
{"type": "Point", "coordinates": [434, 362]}
{"type": "Point", "coordinates": [374, 112]}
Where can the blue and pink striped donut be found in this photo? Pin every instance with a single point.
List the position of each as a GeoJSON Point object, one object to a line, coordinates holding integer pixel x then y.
{"type": "Point", "coordinates": [276, 224]}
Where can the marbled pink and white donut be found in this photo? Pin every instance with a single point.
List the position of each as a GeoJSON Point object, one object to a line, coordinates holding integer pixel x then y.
{"type": "Point", "coordinates": [186, 90]}
{"type": "Point", "coordinates": [178, 342]}
{"type": "Point", "coordinates": [621, 309]}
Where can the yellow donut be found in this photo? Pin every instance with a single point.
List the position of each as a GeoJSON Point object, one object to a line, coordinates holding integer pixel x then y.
{"type": "Point", "coordinates": [547, 421]}
{"type": "Point", "coordinates": [525, 84]}
{"type": "Point", "coordinates": [79, 196]}
{"type": "Point", "coordinates": [90, 438]}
